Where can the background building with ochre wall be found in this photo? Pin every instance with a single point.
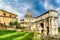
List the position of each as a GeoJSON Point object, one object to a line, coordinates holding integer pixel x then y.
{"type": "Point", "coordinates": [6, 17]}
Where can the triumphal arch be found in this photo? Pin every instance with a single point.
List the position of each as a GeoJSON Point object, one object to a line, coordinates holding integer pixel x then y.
{"type": "Point", "coordinates": [45, 23]}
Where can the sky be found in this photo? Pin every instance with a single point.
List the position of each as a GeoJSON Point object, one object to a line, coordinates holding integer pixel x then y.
{"type": "Point", "coordinates": [36, 7]}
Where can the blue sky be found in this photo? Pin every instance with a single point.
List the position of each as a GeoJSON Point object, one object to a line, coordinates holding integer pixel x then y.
{"type": "Point", "coordinates": [36, 7]}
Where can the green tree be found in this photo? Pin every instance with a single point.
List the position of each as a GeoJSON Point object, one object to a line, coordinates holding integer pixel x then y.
{"type": "Point", "coordinates": [11, 24]}
{"type": "Point", "coordinates": [15, 23]}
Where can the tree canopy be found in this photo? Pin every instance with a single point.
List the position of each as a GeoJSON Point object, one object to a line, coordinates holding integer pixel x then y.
{"type": "Point", "coordinates": [14, 23]}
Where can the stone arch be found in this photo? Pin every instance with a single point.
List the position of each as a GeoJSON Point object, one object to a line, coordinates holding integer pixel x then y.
{"type": "Point", "coordinates": [42, 26]}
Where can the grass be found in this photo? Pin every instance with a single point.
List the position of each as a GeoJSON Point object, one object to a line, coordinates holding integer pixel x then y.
{"type": "Point", "coordinates": [35, 36]}
{"type": "Point", "coordinates": [3, 32]}
{"type": "Point", "coordinates": [14, 35]}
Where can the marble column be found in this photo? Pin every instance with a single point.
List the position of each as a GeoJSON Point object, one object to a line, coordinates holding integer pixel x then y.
{"type": "Point", "coordinates": [36, 25]}
{"type": "Point", "coordinates": [56, 26]}
{"type": "Point", "coordinates": [49, 22]}
{"type": "Point", "coordinates": [52, 26]}
{"type": "Point", "coordinates": [44, 27]}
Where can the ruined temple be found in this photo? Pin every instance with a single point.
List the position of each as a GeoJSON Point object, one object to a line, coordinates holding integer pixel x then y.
{"type": "Point", "coordinates": [45, 23]}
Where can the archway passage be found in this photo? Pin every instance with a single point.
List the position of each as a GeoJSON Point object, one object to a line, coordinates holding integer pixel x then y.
{"type": "Point", "coordinates": [42, 25]}
{"type": "Point", "coordinates": [47, 30]}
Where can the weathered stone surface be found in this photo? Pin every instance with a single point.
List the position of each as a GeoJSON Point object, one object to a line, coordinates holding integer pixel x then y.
{"type": "Point", "coordinates": [46, 24]}
{"type": "Point", "coordinates": [51, 38]}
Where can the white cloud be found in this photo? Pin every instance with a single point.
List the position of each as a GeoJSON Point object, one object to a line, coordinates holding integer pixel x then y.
{"type": "Point", "coordinates": [57, 1]}
{"type": "Point", "coordinates": [35, 12]}
{"type": "Point", "coordinates": [48, 6]}
{"type": "Point", "coordinates": [1, 0]}
{"type": "Point", "coordinates": [58, 9]}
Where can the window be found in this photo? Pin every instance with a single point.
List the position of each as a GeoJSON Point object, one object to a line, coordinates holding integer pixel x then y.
{"type": "Point", "coordinates": [4, 13]}
{"type": "Point", "coordinates": [10, 15]}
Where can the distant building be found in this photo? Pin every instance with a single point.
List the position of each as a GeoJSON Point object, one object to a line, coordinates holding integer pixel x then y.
{"type": "Point", "coordinates": [6, 17]}
{"type": "Point", "coordinates": [45, 24]}
{"type": "Point", "coordinates": [22, 24]}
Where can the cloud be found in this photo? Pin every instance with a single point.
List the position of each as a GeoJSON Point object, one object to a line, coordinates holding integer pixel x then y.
{"type": "Point", "coordinates": [57, 1]}
{"type": "Point", "coordinates": [47, 5]}
{"type": "Point", "coordinates": [14, 11]}
{"type": "Point", "coordinates": [35, 12]}
{"type": "Point", "coordinates": [9, 8]}
{"type": "Point", "coordinates": [58, 9]}
{"type": "Point", "coordinates": [18, 8]}
{"type": "Point", "coordinates": [1, 0]}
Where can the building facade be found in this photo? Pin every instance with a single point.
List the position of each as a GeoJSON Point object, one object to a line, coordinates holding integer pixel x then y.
{"type": "Point", "coordinates": [45, 24]}
{"type": "Point", "coordinates": [22, 24]}
{"type": "Point", "coordinates": [29, 21]}
{"type": "Point", "coordinates": [6, 17]}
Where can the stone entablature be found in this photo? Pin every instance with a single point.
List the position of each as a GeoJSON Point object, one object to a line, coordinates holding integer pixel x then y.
{"type": "Point", "coordinates": [47, 14]}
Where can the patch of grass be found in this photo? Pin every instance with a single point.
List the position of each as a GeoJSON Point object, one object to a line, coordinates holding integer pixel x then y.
{"type": "Point", "coordinates": [29, 37]}
{"type": "Point", "coordinates": [3, 32]}
{"type": "Point", "coordinates": [35, 36]}
{"type": "Point", "coordinates": [20, 35]}
{"type": "Point", "coordinates": [13, 36]}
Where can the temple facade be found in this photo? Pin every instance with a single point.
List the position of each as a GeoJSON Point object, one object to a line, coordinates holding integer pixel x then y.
{"type": "Point", "coordinates": [45, 23]}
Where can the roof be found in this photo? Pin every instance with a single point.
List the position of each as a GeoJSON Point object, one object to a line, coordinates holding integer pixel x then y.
{"type": "Point", "coordinates": [28, 13]}
{"type": "Point", "coordinates": [8, 12]}
{"type": "Point", "coordinates": [46, 12]}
